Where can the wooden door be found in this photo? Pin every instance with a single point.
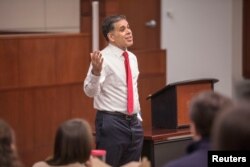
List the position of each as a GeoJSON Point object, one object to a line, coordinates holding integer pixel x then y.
{"type": "Point", "coordinates": [144, 20]}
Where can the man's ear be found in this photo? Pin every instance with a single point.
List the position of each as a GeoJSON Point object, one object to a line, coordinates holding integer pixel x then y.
{"type": "Point", "coordinates": [13, 146]}
{"type": "Point", "coordinates": [111, 37]}
{"type": "Point", "coordinates": [194, 132]}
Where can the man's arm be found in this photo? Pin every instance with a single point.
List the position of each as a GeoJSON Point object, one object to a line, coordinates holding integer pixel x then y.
{"type": "Point", "coordinates": [91, 85]}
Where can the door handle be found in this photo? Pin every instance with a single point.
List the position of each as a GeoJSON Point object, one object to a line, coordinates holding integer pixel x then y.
{"type": "Point", "coordinates": [151, 23]}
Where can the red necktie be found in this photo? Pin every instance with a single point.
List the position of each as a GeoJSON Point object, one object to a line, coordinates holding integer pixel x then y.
{"type": "Point", "coordinates": [130, 96]}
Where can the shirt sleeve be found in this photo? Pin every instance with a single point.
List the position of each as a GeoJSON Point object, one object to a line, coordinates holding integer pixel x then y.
{"type": "Point", "coordinates": [91, 84]}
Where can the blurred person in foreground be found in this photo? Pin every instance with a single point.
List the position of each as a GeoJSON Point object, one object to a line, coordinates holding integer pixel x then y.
{"type": "Point", "coordinates": [231, 131]}
{"type": "Point", "coordinates": [8, 153]}
{"type": "Point", "coordinates": [73, 145]}
{"type": "Point", "coordinates": [242, 91]}
{"type": "Point", "coordinates": [203, 110]}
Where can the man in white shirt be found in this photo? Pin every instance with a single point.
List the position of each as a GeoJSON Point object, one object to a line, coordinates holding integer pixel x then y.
{"type": "Point", "coordinates": [118, 128]}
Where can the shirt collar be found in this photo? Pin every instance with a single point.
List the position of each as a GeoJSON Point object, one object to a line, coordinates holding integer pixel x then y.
{"type": "Point", "coordinates": [117, 51]}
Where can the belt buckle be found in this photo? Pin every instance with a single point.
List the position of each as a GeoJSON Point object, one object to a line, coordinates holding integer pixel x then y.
{"type": "Point", "coordinates": [128, 117]}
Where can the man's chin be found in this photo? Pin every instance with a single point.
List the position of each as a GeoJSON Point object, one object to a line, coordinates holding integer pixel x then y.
{"type": "Point", "coordinates": [129, 44]}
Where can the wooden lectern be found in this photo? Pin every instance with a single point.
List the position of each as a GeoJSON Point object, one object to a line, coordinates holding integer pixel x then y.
{"type": "Point", "coordinates": [169, 106]}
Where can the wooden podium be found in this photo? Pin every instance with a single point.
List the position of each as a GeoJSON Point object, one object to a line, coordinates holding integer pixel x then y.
{"type": "Point", "coordinates": [169, 106]}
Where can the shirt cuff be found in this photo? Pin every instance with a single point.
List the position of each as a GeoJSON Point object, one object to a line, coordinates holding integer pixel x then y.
{"type": "Point", "coordinates": [95, 78]}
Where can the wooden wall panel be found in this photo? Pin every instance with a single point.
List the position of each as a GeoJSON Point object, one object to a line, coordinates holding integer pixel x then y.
{"type": "Point", "coordinates": [111, 7]}
{"type": "Point", "coordinates": [151, 62]}
{"type": "Point", "coordinates": [37, 59]}
{"type": "Point", "coordinates": [86, 16]}
{"type": "Point", "coordinates": [148, 85]}
{"type": "Point", "coordinates": [82, 106]}
{"type": "Point", "coordinates": [60, 110]}
{"type": "Point", "coordinates": [44, 97]}
{"type": "Point", "coordinates": [9, 63]}
{"type": "Point", "coordinates": [72, 59]}
{"type": "Point", "coordinates": [26, 122]}
{"type": "Point", "coordinates": [86, 22]}
{"type": "Point", "coordinates": [52, 108]}
{"type": "Point", "coordinates": [152, 67]}
{"type": "Point", "coordinates": [30, 157]}
{"type": "Point", "coordinates": [10, 102]}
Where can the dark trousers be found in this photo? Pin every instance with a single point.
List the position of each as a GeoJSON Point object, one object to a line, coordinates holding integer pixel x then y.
{"type": "Point", "coordinates": [120, 136]}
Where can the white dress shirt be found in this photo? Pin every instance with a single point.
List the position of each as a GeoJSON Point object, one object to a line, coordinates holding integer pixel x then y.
{"type": "Point", "coordinates": [110, 88]}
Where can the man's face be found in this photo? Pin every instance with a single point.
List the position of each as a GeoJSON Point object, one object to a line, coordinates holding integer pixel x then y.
{"type": "Point", "coordinates": [121, 36]}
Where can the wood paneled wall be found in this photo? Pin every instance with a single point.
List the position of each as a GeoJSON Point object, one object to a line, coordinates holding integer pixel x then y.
{"type": "Point", "coordinates": [42, 60]}
{"type": "Point", "coordinates": [41, 86]}
{"type": "Point", "coordinates": [152, 67]}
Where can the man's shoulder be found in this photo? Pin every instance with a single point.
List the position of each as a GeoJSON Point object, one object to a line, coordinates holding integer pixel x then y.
{"type": "Point", "coordinates": [132, 55]}
{"type": "Point", "coordinates": [106, 51]}
{"type": "Point", "coordinates": [41, 164]}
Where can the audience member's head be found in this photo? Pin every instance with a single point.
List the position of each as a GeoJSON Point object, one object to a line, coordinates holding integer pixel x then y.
{"type": "Point", "coordinates": [8, 153]}
{"type": "Point", "coordinates": [203, 109]}
{"type": "Point", "coordinates": [73, 143]}
{"type": "Point", "coordinates": [231, 130]}
{"type": "Point", "coordinates": [242, 90]}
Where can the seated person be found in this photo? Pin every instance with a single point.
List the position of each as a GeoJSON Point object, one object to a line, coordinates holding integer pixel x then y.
{"type": "Point", "coordinates": [242, 90]}
{"type": "Point", "coordinates": [72, 147]}
{"type": "Point", "coordinates": [203, 109]}
{"type": "Point", "coordinates": [231, 130]}
{"type": "Point", "coordinates": [8, 152]}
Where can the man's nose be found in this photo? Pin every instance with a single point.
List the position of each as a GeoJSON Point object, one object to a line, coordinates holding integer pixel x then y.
{"type": "Point", "coordinates": [129, 31]}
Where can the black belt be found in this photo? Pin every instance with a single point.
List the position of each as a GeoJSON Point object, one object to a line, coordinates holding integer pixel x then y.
{"type": "Point", "coordinates": [119, 114]}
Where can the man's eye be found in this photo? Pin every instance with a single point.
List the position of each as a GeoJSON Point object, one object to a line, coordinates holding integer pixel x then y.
{"type": "Point", "coordinates": [122, 28]}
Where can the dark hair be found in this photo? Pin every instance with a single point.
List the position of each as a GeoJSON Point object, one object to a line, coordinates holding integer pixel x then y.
{"type": "Point", "coordinates": [108, 24]}
{"type": "Point", "coordinates": [242, 90]}
{"type": "Point", "coordinates": [231, 130]}
{"type": "Point", "coordinates": [8, 155]}
{"type": "Point", "coordinates": [73, 143]}
{"type": "Point", "coordinates": [203, 109]}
